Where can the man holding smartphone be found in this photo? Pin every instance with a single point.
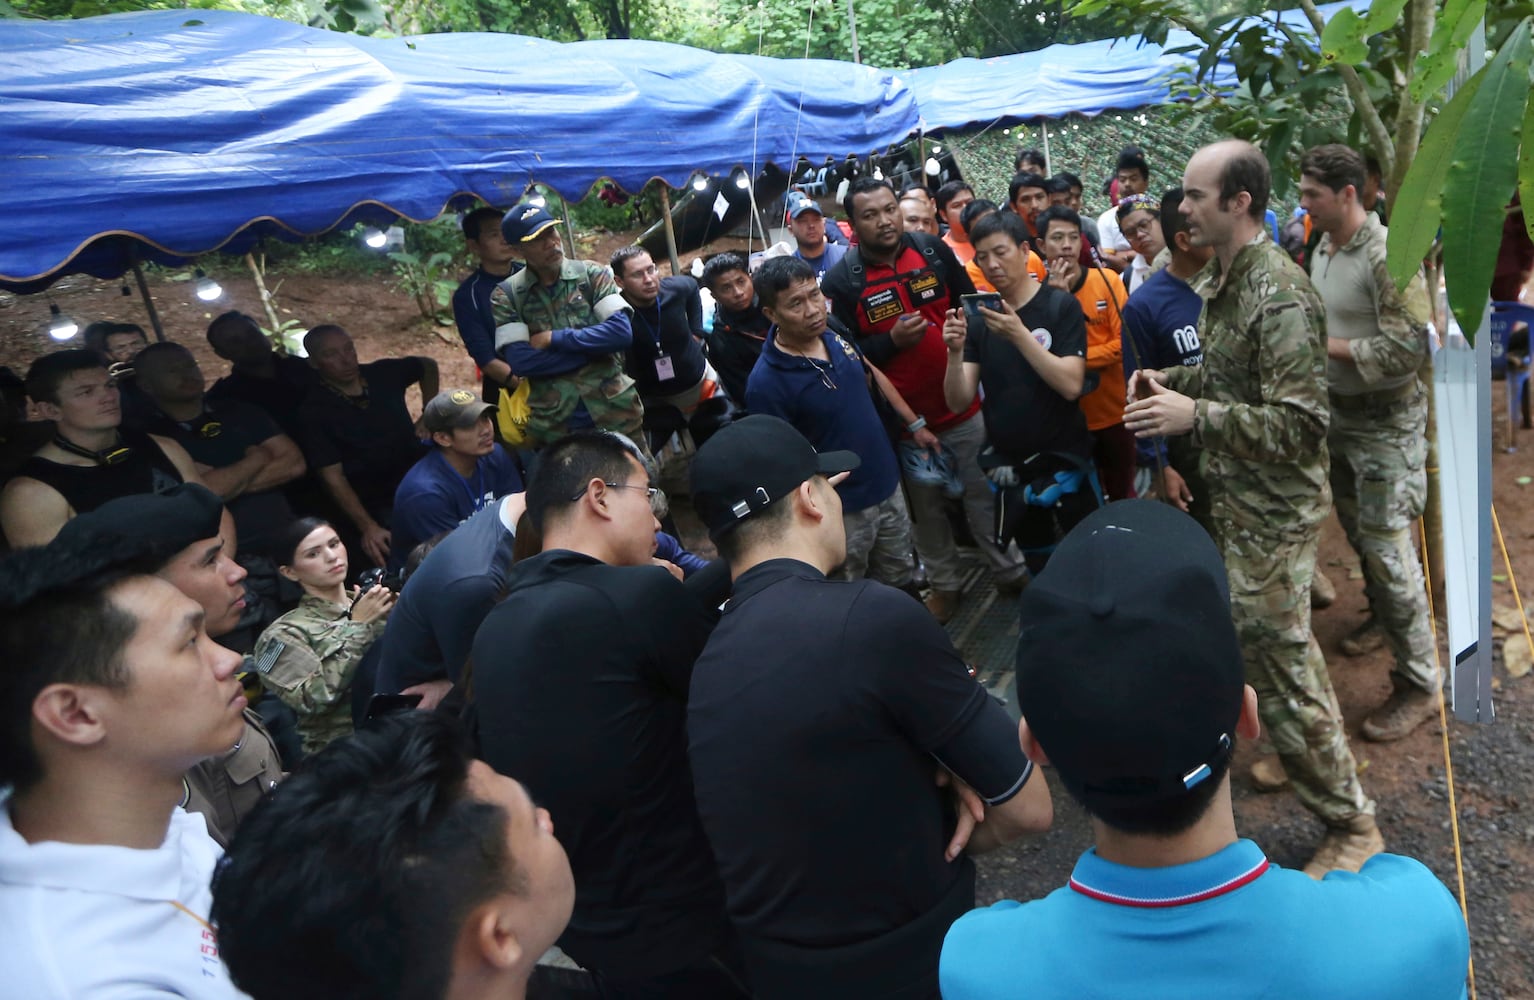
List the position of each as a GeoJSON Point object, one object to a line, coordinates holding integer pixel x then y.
{"type": "Point", "coordinates": [1031, 359]}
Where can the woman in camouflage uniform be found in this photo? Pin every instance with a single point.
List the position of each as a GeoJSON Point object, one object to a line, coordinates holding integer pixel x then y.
{"type": "Point", "coordinates": [309, 656]}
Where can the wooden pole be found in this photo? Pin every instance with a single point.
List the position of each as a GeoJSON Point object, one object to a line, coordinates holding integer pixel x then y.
{"type": "Point", "coordinates": [665, 214]}
{"type": "Point", "coordinates": [143, 290]}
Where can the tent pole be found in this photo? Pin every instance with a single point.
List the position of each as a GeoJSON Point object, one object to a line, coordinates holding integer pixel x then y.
{"type": "Point", "coordinates": [1044, 127]}
{"type": "Point", "coordinates": [143, 289]}
{"type": "Point", "coordinates": [564, 207]}
{"type": "Point", "coordinates": [665, 213]}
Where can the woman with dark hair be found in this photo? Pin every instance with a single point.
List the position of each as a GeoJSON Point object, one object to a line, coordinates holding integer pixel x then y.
{"type": "Point", "coordinates": [309, 656]}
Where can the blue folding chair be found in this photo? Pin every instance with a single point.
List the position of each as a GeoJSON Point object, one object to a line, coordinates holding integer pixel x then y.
{"type": "Point", "coordinates": [1512, 365]}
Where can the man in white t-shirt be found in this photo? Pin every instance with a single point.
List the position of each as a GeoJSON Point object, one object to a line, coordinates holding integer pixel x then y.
{"type": "Point", "coordinates": [111, 691]}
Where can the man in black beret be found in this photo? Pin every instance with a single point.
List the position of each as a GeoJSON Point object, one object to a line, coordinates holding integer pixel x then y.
{"type": "Point", "coordinates": [180, 534]}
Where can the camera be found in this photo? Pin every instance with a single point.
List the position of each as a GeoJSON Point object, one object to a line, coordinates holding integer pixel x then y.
{"type": "Point", "coordinates": [376, 577]}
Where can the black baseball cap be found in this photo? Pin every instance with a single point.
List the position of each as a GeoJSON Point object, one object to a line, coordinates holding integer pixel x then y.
{"type": "Point", "coordinates": [1129, 670]}
{"type": "Point", "coordinates": [164, 523]}
{"type": "Point", "coordinates": [752, 463]}
{"type": "Point", "coordinates": [524, 222]}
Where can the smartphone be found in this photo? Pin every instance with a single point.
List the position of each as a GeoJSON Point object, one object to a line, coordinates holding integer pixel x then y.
{"type": "Point", "coordinates": [382, 705]}
{"type": "Point", "coordinates": [973, 302]}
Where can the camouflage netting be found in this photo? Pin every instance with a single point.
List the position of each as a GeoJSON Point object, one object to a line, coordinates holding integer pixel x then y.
{"type": "Point", "coordinates": [1087, 147]}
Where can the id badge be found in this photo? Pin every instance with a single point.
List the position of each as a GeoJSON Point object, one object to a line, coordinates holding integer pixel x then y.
{"type": "Point", "coordinates": [664, 369]}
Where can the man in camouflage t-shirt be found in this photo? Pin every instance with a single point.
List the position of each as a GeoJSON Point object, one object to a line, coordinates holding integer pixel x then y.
{"type": "Point", "coordinates": [1257, 410]}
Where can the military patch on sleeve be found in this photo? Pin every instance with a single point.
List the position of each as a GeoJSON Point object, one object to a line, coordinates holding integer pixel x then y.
{"type": "Point", "coordinates": [268, 658]}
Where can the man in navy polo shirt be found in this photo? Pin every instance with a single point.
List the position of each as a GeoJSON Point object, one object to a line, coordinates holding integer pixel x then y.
{"type": "Point", "coordinates": [1161, 319]}
{"type": "Point", "coordinates": [1130, 680]}
{"type": "Point", "coordinates": [810, 375]}
{"type": "Point", "coordinates": [464, 471]}
{"type": "Point", "coordinates": [823, 717]}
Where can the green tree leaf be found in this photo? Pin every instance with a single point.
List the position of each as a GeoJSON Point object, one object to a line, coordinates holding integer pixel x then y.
{"type": "Point", "coordinates": [1526, 169]}
{"type": "Point", "coordinates": [1482, 175]}
{"type": "Point", "coordinates": [1343, 39]}
{"type": "Point", "coordinates": [1419, 203]}
{"type": "Point", "coordinates": [1436, 67]}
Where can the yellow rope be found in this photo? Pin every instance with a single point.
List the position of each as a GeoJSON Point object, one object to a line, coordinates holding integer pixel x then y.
{"type": "Point", "coordinates": [1511, 578]}
{"type": "Point", "coordinates": [1448, 763]}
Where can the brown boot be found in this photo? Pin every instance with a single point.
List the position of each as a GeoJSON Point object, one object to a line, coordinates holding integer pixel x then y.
{"type": "Point", "coordinates": [1407, 708]}
{"type": "Point", "coordinates": [1322, 593]}
{"type": "Point", "coordinates": [1364, 639]}
{"type": "Point", "coordinates": [943, 604]}
{"type": "Point", "coordinates": [1268, 774]}
{"type": "Point", "coordinates": [1345, 848]}
{"type": "Point", "coordinates": [1013, 588]}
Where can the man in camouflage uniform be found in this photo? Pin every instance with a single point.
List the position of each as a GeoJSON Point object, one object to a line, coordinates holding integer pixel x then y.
{"type": "Point", "coordinates": [1256, 409]}
{"type": "Point", "coordinates": [564, 326]}
{"type": "Point", "coordinates": [1376, 344]}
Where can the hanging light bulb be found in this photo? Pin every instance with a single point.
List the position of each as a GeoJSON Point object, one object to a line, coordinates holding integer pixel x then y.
{"type": "Point", "coordinates": [878, 173]}
{"type": "Point", "coordinates": [933, 167]}
{"type": "Point", "coordinates": [374, 238]}
{"type": "Point", "coordinates": [60, 327]}
{"type": "Point", "coordinates": [741, 180]}
{"type": "Point", "coordinates": [538, 201]}
{"type": "Point", "coordinates": [207, 289]}
{"type": "Point", "coordinates": [937, 149]}
{"type": "Point", "coordinates": [700, 183]}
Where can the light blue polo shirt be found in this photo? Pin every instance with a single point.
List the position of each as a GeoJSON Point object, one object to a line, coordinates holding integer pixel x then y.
{"type": "Point", "coordinates": [1231, 925]}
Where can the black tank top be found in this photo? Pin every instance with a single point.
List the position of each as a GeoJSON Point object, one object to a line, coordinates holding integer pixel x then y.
{"type": "Point", "coordinates": [147, 469]}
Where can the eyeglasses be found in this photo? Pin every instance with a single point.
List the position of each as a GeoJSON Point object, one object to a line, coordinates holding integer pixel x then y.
{"type": "Point", "coordinates": [656, 498]}
{"type": "Point", "coordinates": [824, 373]}
{"type": "Point", "coordinates": [1140, 229]}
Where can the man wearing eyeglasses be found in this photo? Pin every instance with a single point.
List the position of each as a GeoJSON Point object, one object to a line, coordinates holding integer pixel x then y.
{"type": "Point", "coordinates": [579, 681]}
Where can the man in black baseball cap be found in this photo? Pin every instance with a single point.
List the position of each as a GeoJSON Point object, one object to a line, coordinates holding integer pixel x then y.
{"type": "Point", "coordinates": [823, 718]}
{"type": "Point", "coordinates": [1130, 680]}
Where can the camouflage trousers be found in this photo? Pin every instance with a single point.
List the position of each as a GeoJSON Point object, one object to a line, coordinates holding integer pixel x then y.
{"type": "Point", "coordinates": [879, 542]}
{"type": "Point", "coordinates": [608, 395]}
{"type": "Point", "coordinates": [1379, 484]}
{"type": "Point", "coordinates": [1270, 602]}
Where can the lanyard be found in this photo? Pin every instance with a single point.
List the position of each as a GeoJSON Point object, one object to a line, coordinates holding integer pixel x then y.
{"type": "Point", "coordinates": [654, 328]}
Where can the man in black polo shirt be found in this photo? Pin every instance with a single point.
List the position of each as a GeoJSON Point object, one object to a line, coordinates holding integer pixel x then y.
{"type": "Point", "coordinates": [278, 383]}
{"type": "Point", "coordinates": [821, 714]}
{"type": "Point", "coordinates": [580, 689]}
{"type": "Point", "coordinates": [740, 326]}
{"type": "Point", "coordinates": [358, 432]}
{"type": "Point", "coordinates": [666, 358]}
{"type": "Point", "coordinates": [241, 453]}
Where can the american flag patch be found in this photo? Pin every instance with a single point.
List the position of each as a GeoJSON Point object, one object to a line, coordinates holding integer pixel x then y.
{"type": "Point", "coordinates": [268, 658]}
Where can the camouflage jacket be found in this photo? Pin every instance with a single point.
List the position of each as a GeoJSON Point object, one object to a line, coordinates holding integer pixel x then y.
{"type": "Point", "coordinates": [1386, 330]}
{"type": "Point", "coordinates": [1262, 412]}
{"type": "Point", "coordinates": [583, 296]}
{"type": "Point", "coordinates": [308, 658]}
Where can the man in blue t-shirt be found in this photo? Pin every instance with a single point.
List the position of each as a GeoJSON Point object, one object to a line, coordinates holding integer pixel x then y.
{"type": "Point", "coordinates": [808, 224]}
{"type": "Point", "coordinates": [471, 301]}
{"type": "Point", "coordinates": [1161, 331]}
{"type": "Point", "coordinates": [810, 375]}
{"type": "Point", "coordinates": [1131, 683]}
{"type": "Point", "coordinates": [465, 470]}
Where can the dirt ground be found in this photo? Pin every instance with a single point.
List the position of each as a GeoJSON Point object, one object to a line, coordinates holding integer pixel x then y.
{"type": "Point", "coordinates": [1493, 783]}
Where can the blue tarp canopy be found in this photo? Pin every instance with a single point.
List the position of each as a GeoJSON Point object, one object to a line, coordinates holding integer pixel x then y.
{"type": "Point", "coordinates": [170, 136]}
{"type": "Point", "coordinates": [1086, 78]}
{"type": "Point", "coordinates": [162, 136]}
